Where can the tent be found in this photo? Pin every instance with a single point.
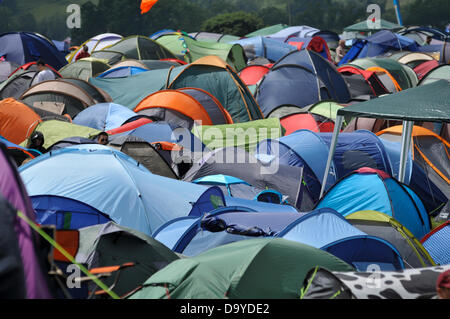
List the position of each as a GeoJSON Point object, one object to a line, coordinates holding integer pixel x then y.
{"type": "Point", "coordinates": [436, 74]}
{"type": "Point", "coordinates": [300, 78]}
{"type": "Point", "coordinates": [436, 243]}
{"type": "Point", "coordinates": [370, 189]}
{"type": "Point", "coordinates": [245, 135]}
{"type": "Point", "coordinates": [318, 117]}
{"type": "Point", "coordinates": [17, 120]}
{"type": "Point", "coordinates": [84, 68]}
{"type": "Point", "coordinates": [122, 71]}
{"type": "Point", "coordinates": [110, 245]}
{"type": "Point", "coordinates": [69, 96]}
{"type": "Point", "coordinates": [252, 74]}
{"type": "Point", "coordinates": [424, 103]}
{"type": "Point", "coordinates": [54, 131]}
{"type": "Point", "coordinates": [23, 47]}
{"type": "Point", "coordinates": [19, 153]}
{"type": "Point", "coordinates": [104, 116]}
{"type": "Point", "coordinates": [145, 153]}
{"type": "Point", "coordinates": [96, 43]}
{"type": "Point", "coordinates": [16, 232]}
{"type": "Point", "coordinates": [184, 107]}
{"type": "Point", "coordinates": [430, 152]}
{"type": "Point", "coordinates": [301, 31]}
{"type": "Point", "coordinates": [403, 74]}
{"type": "Point", "coordinates": [268, 48]}
{"type": "Point", "coordinates": [238, 163]}
{"type": "Point", "coordinates": [362, 82]}
{"type": "Point", "coordinates": [228, 183]}
{"type": "Point", "coordinates": [250, 269]}
{"type": "Point", "coordinates": [267, 31]}
{"type": "Point", "coordinates": [417, 283]}
{"type": "Point", "coordinates": [65, 213]}
{"type": "Point", "coordinates": [314, 43]}
{"type": "Point", "coordinates": [381, 225]}
{"type": "Point", "coordinates": [191, 50]}
{"type": "Point", "coordinates": [378, 44]}
{"type": "Point", "coordinates": [411, 59]}
{"type": "Point", "coordinates": [116, 185]}
{"type": "Point", "coordinates": [324, 229]}
{"type": "Point", "coordinates": [134, 47]}
{"type": "Point", "coordinates": [210, 74]}
{"type": "Point", "coordinates": [424, 68]}
{"type": "Point", "coordinates": [6, 68]}
{"type": "Point", "coordinates": [213, 37]}
{"type": "Point", "coordinates": [19, 82]}
{"type": "Point", "coordinates": [364, 27]}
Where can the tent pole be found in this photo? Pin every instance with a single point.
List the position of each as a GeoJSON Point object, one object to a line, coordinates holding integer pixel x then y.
{"type": "Point", "coordinates": [406, 144]}
{"type": "Point", "coordinates": [337, 129]}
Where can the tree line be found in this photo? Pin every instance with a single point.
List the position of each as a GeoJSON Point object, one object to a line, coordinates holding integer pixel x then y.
{"type": "Point", "coordinates": [223, 16]}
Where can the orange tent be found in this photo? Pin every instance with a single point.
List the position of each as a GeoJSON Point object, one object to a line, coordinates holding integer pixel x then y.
{"type": "Point", "coordinates": [17, 120]}
{"type": "Point", "coordinates": [429, 147]}
{"type": "Point", "coordinates": [184, 103]}
{"type": "Point", "coordinates": [381, 72]}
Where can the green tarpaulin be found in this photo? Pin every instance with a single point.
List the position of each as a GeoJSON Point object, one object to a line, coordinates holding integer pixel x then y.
{"type": "Point", "coordinates": [243, 135]}
{"type": "Point", "coordinates": [253, 269]}
{"type": "Point", "coordinates": [430, 103]}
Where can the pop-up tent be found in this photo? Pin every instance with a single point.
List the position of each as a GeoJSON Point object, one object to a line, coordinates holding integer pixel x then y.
{"type": "Point", "coordinates": [251, 269]}
{"type": "Point", "coordinates": [96, 43]}
{"type": "Point", "coordinates": [23, 47]}
{"type": "Point", "coordinates": [84, 68]}
{"type": "Point", "coordinates": [115, 184]}
{"type": "Point", "coordinates": [423, 103]}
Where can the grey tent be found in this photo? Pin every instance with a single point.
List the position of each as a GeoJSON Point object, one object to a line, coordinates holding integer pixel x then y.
{"type": "Point", "coordinates": [238, 163]}
{"type": "Point", "coordinates": [113, 245]}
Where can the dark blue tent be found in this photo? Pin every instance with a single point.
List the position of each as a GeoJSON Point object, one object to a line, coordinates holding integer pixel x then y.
{"type": "Point", "coordinates": [301, 78]}
{"type": "Point", "coordinates": [370, 189]}
{"type": "Point", "coordinates": [24, 47]}
{"type": "Point", "coordinates": [121, 72]}
{"type": "Point", "coordinates": [104, 116]}
{"type": "Point", "coordinates": [324, 229]}
{"type": "Point", "coordinates": [378, 44]}
{"type": "Point", "coordinates": [66, 213]}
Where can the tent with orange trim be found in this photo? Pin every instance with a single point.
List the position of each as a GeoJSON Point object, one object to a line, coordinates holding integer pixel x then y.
{"type": "Point", "coordinates": [183, 107]}
{"type": "Point", "coordinates": [17, 120]}
{"type": "Point", "coordinates": [429, 150]}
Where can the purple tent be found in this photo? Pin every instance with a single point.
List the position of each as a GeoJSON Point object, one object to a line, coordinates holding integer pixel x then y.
{"type": "Point", "coordinates": [13, 190]}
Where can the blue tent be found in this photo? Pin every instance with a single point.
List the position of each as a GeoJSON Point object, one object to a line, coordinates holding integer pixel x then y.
{"type": "Point", "coordinates": [116, 185]}
{"type": "Point", "coordinates": [370, 189]}
{"type": "Point", "coordinates": [295, 31]}
{"type": "Point", "coordinates": [121, 72]}
{"type": "Point", "coordinates": [220, 179]}
{"type": "Point", "coordinates": [65, 213]}
{"type": "Point", "coordinates": [378, 44]}
{"type": "Point", "coordinates": [268, 48]}
{"type": "Point", "coordinates": [305, 149]}
{"type": "Point", "coordinates": [437, 244]}
{"type": "Point", "coordinates": [324, 229]}
{"type": "Point", "coordinates": [104, 116]}
{"type": "Point", "coordinates": [301, 78]}
{"type": "Point", "coordinates": [24, 47]}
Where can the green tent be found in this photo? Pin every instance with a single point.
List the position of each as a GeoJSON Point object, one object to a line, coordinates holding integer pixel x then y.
{"type": "Point", "coordinates": [84, 68]}
{"type": "Point", "coordinates": [403, 74]}
{"type": "Point", "coordinates": [135, 47]}
{"type": "Point", "coordinates": [267, 30]}
{"type": "Point", "coordinates": [192, 50]}
{"type": "Point", "coordinates": [249, 269]}
{"type": "Point", "coordinates": [113, 245]}
{"type": "Point", "coordinates": [244, 135]}
{"type": "Point", "coordinates": [210, 73]}
{"type": "Point", "coordinates": [441, 72]}
{"type": "Point", "coordinates": [55, 131]}
{"type": "Point", "coordinates": [363, 27]}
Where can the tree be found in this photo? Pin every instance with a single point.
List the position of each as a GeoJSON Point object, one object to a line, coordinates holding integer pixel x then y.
{"type": "Point", "coordinates": [273, 15]}
{"type": "Point", "coordinates": [236, 23]}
